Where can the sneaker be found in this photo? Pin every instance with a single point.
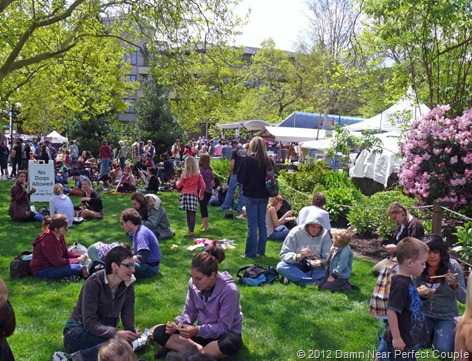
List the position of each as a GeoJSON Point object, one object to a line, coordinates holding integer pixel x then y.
{"type": "Point", "coordinates": [61, 356]}
{"type": "Point", "coordinates": [73, 278]}
{"type": "Point", "coordinates": [286, 281]}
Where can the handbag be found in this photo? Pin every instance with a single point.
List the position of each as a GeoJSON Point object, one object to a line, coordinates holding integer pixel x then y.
{"type": "Point", "coordinates": [19, 266]}
{"type": "Point", "coordinates": [271, 181]}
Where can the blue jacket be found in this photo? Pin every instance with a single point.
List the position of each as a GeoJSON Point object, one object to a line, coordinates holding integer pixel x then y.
{"type": "Point", "coordinates": [341, 264]}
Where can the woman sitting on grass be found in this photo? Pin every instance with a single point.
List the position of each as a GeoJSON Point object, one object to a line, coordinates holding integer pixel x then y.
{"type": "Point", "coordinates": [276, 229]}
{"type": "Point", "coordinates": [61, 203]}
{"type": "Point", "coordinates": [106, 297]}
{"type": "Point", "coordinates": [127, 181]}
{"type": "Point", "coordinates": [213, 303]}
{"type": "Point", "coordinates": [19, 203]}
{"type": "Point", "coordinates": [153, 214]}
{"type": "Point", "coordinates": [51, 259]}
{"type": "Point", "coordinates": [92, 206]}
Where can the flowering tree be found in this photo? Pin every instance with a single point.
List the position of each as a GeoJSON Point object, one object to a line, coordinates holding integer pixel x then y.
{"type": "Point", "coordinates": [437, 160]}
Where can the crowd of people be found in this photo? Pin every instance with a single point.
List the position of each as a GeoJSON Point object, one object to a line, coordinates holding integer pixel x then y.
{"type": "Point", "coordinates": [415, 298]}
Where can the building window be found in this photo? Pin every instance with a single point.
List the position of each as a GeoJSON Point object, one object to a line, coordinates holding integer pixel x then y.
{"type": "Point", "coordinates": [132, 58]}
{"type": "Point", "coordinates": [132, 78]}
{"type": "Point", "coordinates": [129, 105]}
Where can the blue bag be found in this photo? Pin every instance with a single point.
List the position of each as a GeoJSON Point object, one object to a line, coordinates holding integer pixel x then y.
{"type": "Point", "coordinates": [256, 275]}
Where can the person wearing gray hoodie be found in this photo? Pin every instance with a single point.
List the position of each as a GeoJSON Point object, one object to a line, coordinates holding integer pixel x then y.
{"type": "Point", "coordinates": [304, 252]}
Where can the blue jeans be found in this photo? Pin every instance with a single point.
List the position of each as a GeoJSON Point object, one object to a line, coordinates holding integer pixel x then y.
{"type": "Point", "coordinates": [54, 273]}
{"type": "Point", "coordinates": [256, 211]}
{"type": "Point", "coordinates": [77, 339]}
{"type": "Point", "coordinates": [122, 162]}
{"type": "Point", "coordinates": [294, 274]}
{"type": "Point", "coordinates": [440, 334]}
{"type": "Point", "coordinates": [143, 270]}
{"type": "Point", "coordinates": [279, 233]}
{"type": "Point", "coordinates": [104, 167]}
{"type": "Point", "coordinates": [228, 203]}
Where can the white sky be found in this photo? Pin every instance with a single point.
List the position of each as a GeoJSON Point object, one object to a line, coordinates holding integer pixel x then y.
{"type": "Point", "coordinates": [281, 20]}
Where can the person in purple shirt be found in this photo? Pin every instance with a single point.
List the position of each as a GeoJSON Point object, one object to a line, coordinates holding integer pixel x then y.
{"type": "Point", "coordinates": [212, 317]}
{"type": "Point", "coordinates": [146, 250]}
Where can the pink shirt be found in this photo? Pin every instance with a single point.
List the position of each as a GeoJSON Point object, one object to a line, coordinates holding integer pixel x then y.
{"type": "Point", "coordinates": [192, 185]}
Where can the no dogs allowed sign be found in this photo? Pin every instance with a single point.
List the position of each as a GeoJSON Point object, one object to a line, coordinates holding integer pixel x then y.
{"type": "Point", "coordinates": [41, 177]}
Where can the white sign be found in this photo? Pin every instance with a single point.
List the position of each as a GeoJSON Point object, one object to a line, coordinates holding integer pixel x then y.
{"type": "Point", "coordinates": [41, 177]}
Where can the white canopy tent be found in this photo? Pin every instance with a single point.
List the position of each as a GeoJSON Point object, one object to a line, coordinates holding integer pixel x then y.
{"type": "Point", "coordinates": [289, 134]}
{"type": "Point", "coordinates": [250, 125]}
{"type": "Point", "coordinates": [406, 109]}
{"type": "Point", "coordinates": [55, 137]}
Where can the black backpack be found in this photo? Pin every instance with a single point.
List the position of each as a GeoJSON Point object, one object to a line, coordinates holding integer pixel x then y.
{"type": "Point", "coordinates": [19, 266]}
{"type": "Point", "coordinates": [256, 275]}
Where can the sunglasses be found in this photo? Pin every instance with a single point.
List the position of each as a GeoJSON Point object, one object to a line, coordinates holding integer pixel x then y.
{"type": "Point", "coordinates": [127, 265]}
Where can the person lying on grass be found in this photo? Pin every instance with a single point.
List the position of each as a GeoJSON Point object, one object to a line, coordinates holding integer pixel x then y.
{"type": "Point", "coordinates": [213, 303]}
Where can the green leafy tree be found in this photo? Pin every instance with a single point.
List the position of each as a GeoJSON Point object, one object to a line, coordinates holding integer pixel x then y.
{"type": "Point", "coordinates": [155, 120]}
{"type": "Point", "coordinates": [429, 44]}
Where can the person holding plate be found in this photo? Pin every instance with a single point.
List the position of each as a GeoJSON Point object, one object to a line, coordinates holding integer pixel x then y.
{"type": "Point", "coordinates": [276, 228]}
{"type": "Point", "coordinates": [440, 286]}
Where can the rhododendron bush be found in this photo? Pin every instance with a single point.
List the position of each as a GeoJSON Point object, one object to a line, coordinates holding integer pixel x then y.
{"type": "Point", "coordinates": [437, 158]}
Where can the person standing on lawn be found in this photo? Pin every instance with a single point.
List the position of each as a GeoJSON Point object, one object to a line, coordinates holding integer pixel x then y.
{"type": "Point", "coordinates": [237, 156]}
{"type": "Point", "coordinates": [406, 329]}
{"type": "Point", "coordinates": [251, 175]}
{"type": "Point", "coordinates": [304, 253]}
{"type": "Point", "coordinates": [207, 174]}
{"type": "Point", "coordinates": [213, 303]}
{"type": "Point", "coordinates": [192, 188]}
{"type": "Point", "coordinates": [106, 297]}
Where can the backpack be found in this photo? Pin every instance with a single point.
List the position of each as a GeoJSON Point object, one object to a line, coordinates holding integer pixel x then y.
{"type": "Point", "coordinates": [256, 275]}
{"type": "Point", "coordinates": [19, 266]}
{"type": "Point", "coordinates": [271, 181]}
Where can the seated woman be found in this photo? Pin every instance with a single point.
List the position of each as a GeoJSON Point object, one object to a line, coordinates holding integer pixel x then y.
{"type": "Point", "coordinates": [51, 259]}
{"type": "Point", "coordinates": [19, 201]}
{"type": "Point", "coordinates": [92, 206]}
{"type": "Point", "coordinates": [212, 318]}
{"type": "Point", "coordinates": [408, 226]}
{"type": "Point", "coordinates": [338, 263]}
{"type": "Point", "coordinates": [106, 296]}
{"type": "Point", "coordinates": [153, 214]}
{"type": "Point", "coordinates": [276, 230]}
{"type": "Point", "coordinates": [439, 303]}
{"type": "Point", "coordinates": [153, 185]}
{"type": "Point", "coordinates": [157, 219]}
{"type": "Point", "coordinates": [61, 204]}
{"type": "Point", "coordinates": [127, 182]}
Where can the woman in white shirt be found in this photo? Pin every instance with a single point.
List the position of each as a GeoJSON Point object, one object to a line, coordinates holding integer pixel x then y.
{"type": "Point", "coordinates": [61, 204]}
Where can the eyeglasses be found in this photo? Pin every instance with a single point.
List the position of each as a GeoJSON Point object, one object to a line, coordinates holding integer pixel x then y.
{"type": "Point", "coordinates": [127, 265]}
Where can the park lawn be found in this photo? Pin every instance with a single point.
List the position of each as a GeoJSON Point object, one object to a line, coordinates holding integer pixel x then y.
{"type": "Point", "coordinates": [279, 320]}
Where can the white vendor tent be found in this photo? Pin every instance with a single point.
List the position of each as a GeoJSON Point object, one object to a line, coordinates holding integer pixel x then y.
{"type": "Point", "coordinates": [406, 109]}
{"type": "Point", "coordinates": [55, 137]}
{"type": "Point", "coordinates": [250, 125]}
{"type": "Point", "coordinates": [290, 134]}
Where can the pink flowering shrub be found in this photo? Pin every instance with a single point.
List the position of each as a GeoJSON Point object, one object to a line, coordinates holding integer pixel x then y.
{"type": "Point", "coordinates": [437, 158]}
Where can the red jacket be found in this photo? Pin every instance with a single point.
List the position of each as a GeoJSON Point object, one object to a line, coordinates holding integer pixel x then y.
{"type": "Point", "coordinates": [192, 185]}
{"type": "Point", "coordinates": [49, 251]}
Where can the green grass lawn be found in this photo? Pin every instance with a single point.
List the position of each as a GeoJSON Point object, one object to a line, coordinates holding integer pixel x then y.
{"type": "Point", "coordinates": [279, 320]}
